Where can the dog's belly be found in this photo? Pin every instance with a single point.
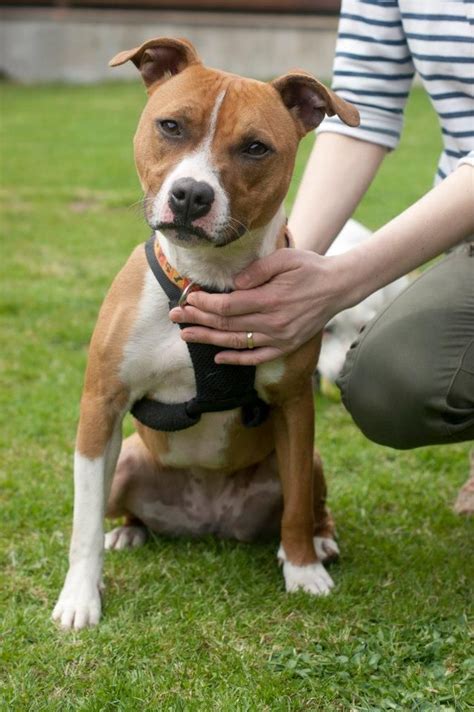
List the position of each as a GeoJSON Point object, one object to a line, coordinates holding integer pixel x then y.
{"type": "Point", "coordinates": [157, 362]}
{"type": "Point", "coordinates": [243, 505]}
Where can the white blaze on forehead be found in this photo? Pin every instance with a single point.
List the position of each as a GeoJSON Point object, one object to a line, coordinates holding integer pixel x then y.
{"type": "Point", "coordinates": [207, 143]}
{"type": "Point", "coordinates": [198, 165]}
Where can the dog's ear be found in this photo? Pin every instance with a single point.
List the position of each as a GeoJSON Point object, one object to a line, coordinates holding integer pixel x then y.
{"type": "Point", "coordinates": [308, 101]}
{"type": "Point", "coordinates": [159, 59]}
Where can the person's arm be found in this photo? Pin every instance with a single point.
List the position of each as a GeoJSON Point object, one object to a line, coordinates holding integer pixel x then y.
{"type": "Point", "coordinates": [373, 70]}
{"type": "Point", "coordinates": [288, 297]}
{"type": "Point", "coordinates": [438, 221]}
{"type": "Point", "coordinates": [338, 173]}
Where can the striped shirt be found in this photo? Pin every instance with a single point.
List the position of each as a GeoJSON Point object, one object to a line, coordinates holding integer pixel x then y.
{"type": "Point", "coordinates": [380, 46]}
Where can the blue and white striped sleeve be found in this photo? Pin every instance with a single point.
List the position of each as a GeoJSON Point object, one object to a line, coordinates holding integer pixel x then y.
{"type": "Point", "coordinates": [373, 70]}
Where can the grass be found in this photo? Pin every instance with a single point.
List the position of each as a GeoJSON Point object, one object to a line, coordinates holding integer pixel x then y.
{"type": "Point", "coordinates": [201, 625]}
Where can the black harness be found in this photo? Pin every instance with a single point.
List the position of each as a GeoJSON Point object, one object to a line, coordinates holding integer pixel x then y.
{"type": "Point", "coordinates": [218, 386]}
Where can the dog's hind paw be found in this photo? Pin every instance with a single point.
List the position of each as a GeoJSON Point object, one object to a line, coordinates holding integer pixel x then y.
{"type": "Point", "coordinates": [126, 537]}
{"type": "Point", "coordinates": [326, 548]}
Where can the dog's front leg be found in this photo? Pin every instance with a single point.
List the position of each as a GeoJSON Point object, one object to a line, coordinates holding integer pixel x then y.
{"type": "Point", "coordinates": [97, 449]}
{"type": "Point", "coordinates": [294, 435]}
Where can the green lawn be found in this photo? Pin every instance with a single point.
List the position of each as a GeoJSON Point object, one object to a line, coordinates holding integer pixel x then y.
{"type": "Point", "coordinates": [201, 625]}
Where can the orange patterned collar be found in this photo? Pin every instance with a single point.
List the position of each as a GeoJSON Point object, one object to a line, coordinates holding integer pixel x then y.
{"type": "Point", "coordinates": [183, 283]}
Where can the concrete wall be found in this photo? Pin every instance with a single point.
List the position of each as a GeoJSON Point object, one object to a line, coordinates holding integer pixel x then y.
{"type": "Point", "coordinates": [41, 44]}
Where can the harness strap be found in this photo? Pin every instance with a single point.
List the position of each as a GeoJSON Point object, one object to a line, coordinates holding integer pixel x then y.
{"type": "Point", "coordinates": [219, 387]}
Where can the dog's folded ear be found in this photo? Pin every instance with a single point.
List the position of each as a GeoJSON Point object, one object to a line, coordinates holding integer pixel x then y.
{"type": "Point", "coordinates": [159, 59]}
{"type": "Point", "coordinates": [308, 101]}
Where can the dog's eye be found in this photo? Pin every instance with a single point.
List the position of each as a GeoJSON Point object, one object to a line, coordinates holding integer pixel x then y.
{"type": "Point", "coordinates": [256, 149]}
{"type": "Point", "coordinates": [170, 127]}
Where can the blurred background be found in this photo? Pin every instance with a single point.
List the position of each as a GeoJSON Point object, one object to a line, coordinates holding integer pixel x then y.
{"type": "Point", "coordinates": [73, 40]}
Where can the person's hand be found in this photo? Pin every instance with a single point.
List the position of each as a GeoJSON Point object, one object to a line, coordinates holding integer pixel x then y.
{"type": "Point", "coordinates": [283, 299]}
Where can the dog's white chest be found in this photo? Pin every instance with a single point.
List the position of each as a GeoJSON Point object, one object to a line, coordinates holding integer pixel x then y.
{"type": "Point", "coordinates": [156, 359]}
{"type": "Point", "coordinates": [157, 362]}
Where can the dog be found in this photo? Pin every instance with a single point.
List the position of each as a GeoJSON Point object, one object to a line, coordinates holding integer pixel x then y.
{"type": "Point", "coordinates": [217, 449]}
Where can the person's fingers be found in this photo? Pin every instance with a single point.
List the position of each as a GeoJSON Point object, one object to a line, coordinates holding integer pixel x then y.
{"type": "Point", "coordinates": [226, 339]}
{"type": "Point", "coordinates": [191, 315]}
{"type": "Point", "coordinates": [232, 304]}
{"type": "Point", "coordinates": [262, 270]}
{"type": "Point", "coordinates": [249, 358]}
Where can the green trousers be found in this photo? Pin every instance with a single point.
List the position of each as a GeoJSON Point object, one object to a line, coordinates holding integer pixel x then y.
{"type": "Point", "coordinates": [408, 379]}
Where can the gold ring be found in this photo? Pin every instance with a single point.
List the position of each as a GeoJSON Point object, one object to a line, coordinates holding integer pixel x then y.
{"type": "Point", "coordinates": [250, 344]}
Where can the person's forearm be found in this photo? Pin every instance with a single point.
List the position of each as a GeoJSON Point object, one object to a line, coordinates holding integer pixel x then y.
{"type": "Point", "coordinates": [436, 222]}
{"type": "Point", "coordinates": [338, 172]}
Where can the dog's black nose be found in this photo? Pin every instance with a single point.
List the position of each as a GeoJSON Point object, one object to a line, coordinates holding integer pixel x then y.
{"type": "Point", "coordinates": [190, 199]}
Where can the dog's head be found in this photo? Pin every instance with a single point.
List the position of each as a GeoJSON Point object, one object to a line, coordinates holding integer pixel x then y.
{"type": "Point", "coordinates": [215, 151]}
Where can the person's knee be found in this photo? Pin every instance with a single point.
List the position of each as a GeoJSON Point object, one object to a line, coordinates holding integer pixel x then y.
{"type": "Point", "coordinates": [408, 380]}
{"type": "Point", "coordinates": [387, 400]}
{"type": "Point", "coordinates": [402, 407]}
{"type": "Point", "coordinates": [368, 401]}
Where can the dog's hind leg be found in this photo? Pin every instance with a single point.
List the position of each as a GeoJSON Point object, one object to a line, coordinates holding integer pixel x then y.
{"type": "Point", "coordinates": [134, 462]}
{"type": "Point", "coordinates": [153, 497]}
{"type": "Point", "coordinates": [324, 528]}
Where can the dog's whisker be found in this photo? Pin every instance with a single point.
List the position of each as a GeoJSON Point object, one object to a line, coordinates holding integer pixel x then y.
{"type": "Point", "coordinates": [140, 201]}
{"type": "Point", "coordinates": [233, 225]}
{"type": "Point", "coordinates": [239, 223]}
{"type": "Point", "coordinates": [139, 207]}
{"type": "Point", "coordinates": [234, 229]}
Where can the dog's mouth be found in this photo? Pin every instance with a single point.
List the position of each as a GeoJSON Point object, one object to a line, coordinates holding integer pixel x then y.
{"type": "Point", "coordinates": [184, 234]}
{"type": "Point", "coordinates": [189, 235]}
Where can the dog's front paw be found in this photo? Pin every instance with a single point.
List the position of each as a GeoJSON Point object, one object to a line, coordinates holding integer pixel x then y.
{"type": "Point", "coordinates": [79, 603]}
{"type": "Point", "coordinates": [126, 537]}
{"type": "Point", "coordinates": [326, 548]}
{"type": "Point", "coordinates": [312, 578]}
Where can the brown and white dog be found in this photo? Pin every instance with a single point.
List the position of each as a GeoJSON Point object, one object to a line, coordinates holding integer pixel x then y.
{"type": "Point", "coordinates": [229, 145]}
